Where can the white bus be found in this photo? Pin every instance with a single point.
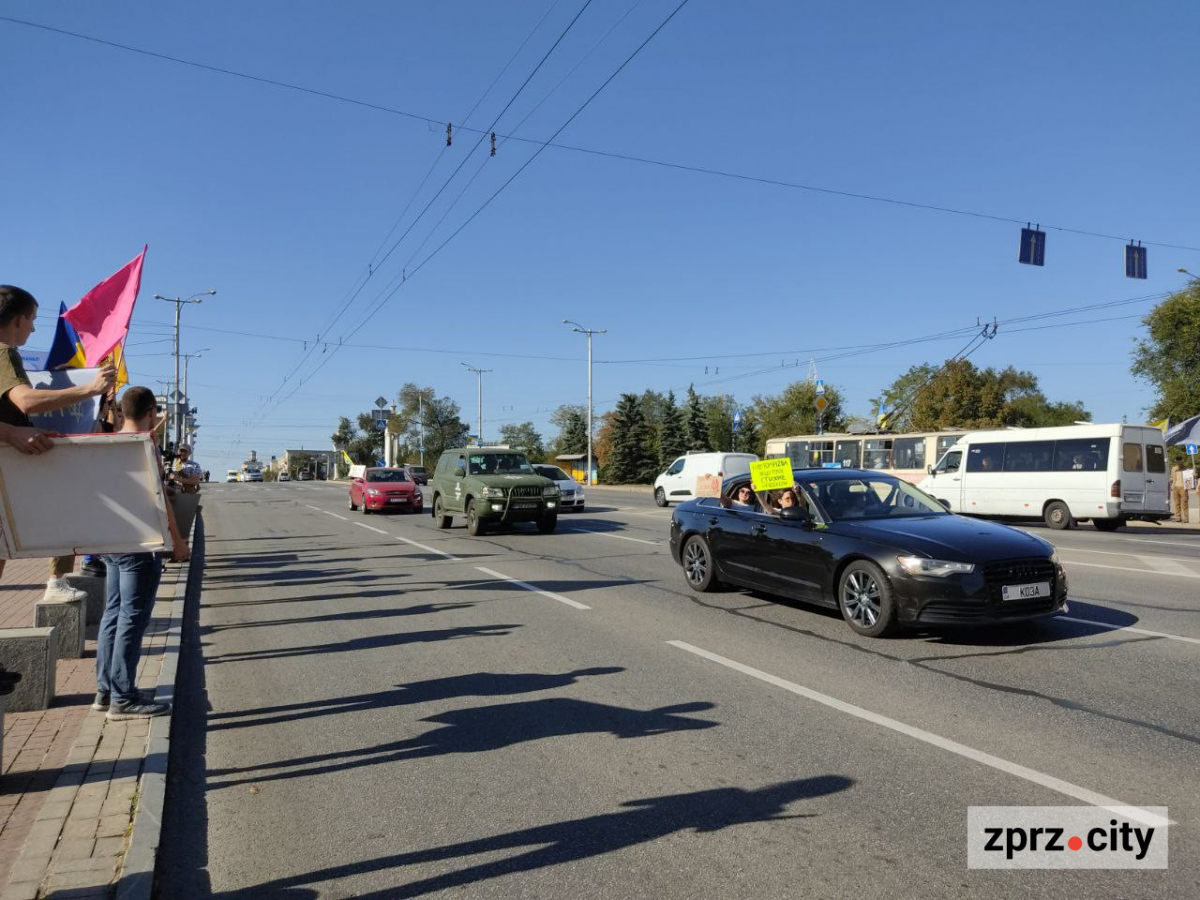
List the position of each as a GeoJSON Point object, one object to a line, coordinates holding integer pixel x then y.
{"type": "Point", "coordinates": [907, 456]}
{"type": "Point", "coordinates": [1107, 473]}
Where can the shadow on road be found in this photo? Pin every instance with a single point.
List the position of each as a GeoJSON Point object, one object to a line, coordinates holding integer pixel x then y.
{"type": "Point", "coordinates": [638, 822]}
{"type": "Point", "coordinates": [347, 616]}
{"type": "Point", "coordinates": [477, 684]}
{"type": "Point", "coordinates": [487, 728]}
{"type": "Point", "coordinates": [371, 642]}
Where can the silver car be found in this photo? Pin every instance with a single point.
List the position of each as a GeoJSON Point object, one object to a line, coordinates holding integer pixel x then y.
{"type": "Point", "coordinates": [570, 491]}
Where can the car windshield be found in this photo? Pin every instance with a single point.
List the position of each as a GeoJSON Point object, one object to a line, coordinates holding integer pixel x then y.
{"type": "Point", "coordinates": [877, 497]}
{"type": "Point", "coordinates": [387, 475]}
{"type": "Point", "coordinates": [417, 470]}
{"type": "Point", "coordinates": [500, 464]}
{"type": "Point", "coordinates": [554, 473]}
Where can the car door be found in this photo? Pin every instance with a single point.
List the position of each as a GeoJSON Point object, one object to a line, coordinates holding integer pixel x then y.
{"type": "Point", "coordinates": [1157, 479]}
{"type": "Point", "coordinates": [356, 491]}
{"type": "Point", "coordinates": [455, 492]}
{"type": "Point", "coordinates": [733, 534]}
{"type": "Point", "coordinates": [793, 556]}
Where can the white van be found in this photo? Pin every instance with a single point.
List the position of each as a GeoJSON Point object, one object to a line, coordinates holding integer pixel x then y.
{"type": "Point", "coordinates": [678, 483]}
{"type": "Point", "coordinates": [1107, 473]}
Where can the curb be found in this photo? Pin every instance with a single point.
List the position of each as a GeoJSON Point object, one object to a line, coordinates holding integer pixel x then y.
{"type": "Point", "coordinates": [136, 881]}
{"type": "Point", "coordinates": [622, 488]}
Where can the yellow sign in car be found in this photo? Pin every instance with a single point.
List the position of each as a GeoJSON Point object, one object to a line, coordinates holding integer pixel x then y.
{"type": "Point", "coordinates": [771, 474]}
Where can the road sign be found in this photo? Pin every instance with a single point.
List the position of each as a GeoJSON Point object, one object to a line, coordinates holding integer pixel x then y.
{"type": "Point", "coordinates": [737, 422]}
{"type": "Point", "coordinates": [820, 403]}
{"type": "Point", "coordinates": [381, 424]}
{"type": "Point", "coordinates": [820, 386]}
{"type": "Point", "coordinates": [1192, 449]}
{"type": "Point", "coordinates": [380, 402]}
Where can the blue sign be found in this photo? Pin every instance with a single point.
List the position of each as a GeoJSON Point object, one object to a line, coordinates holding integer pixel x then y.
{"type": "Point", "coordinates": [34, 360]}
{"type": "Point", "coordinates": [1192, 449]}
{"type": "Point", "coordinates": [820, 386]}
{"type": "Point", "coordinates": [737, 422]}
{"type": "Point", "coordinates": [834, 465]}
{"type": "Point", "coordinates": [79, 418]}
{"type": "Point", "coordinates": [1033, 247]}
{"type": "Point", "coordinates": [381, 424]}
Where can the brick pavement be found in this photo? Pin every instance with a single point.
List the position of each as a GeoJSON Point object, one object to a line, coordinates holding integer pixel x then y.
{"type": "Point", "coordinates": [70, 776]}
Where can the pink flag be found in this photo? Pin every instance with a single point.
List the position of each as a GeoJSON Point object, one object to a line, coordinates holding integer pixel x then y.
{"type": "Point", "coordinates": [102, 317]}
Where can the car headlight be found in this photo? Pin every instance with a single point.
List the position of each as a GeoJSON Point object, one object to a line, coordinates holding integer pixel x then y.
{"type": "Point", "coordinates": [1054, 558]}
{"type": "Point", "coordinates": [493, 492]}
{"type": "Point", "coordinates": [550, 491]}
{"type": "Point", "coordinates": [372, 492]}
{"type": "Point", "coordinates": [938, 568]}
{"type": "Point", "coordinates": [417, 495]}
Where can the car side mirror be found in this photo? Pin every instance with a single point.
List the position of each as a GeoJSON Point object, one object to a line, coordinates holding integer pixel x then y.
{"type": "Point", "coordinates": [929, 470]}
{"type": "Point", "coordinates": [795, 514]}
{"type": "Point", "coordinates": [460, 472]}
{"type": "Point", "coordinates": [945, 503]}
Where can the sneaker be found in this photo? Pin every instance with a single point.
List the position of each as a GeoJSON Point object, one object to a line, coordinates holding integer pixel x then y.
{"type": "Point", "coordinates": [58, 591]}
{"type": "Point", "coordinates": [137, 709]}
{"type": "Point", "coordinates": [101, 702]}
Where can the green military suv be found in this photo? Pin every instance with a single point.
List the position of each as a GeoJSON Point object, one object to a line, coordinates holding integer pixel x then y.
{"type": "Point", "coordinates": [491, 486]}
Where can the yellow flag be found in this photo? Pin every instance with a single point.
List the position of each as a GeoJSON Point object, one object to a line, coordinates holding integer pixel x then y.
{"type": "Point", "coordinates": [1164, 425]}
{"type": "Point", "coordinates": [346, 457]}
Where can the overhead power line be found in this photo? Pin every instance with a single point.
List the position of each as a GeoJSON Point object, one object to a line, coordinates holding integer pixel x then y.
{"type": "Point", "coordinates": [627, 157]}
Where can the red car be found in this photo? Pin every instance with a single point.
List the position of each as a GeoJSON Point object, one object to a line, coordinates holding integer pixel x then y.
{"type": "Point", "coordinates": [379, 489]}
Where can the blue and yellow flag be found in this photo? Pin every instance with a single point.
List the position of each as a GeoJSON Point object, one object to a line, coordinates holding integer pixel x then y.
{"type": "Point", "coordinates": [1163, 424]}
{"type": "Point", "coordinates": [346, 457]}
{"type": "Point", "coordinates": [67, 350]}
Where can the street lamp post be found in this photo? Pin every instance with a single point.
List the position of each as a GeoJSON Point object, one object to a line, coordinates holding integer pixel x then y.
{"type": "Point", "coordinates": [587, 476]}
{"type": "Point", "coordinates": [479, 374]}
{"type": "Point", "coordinates": [179, 301]}
{"type": "Point", "coordinates": [187, 398]}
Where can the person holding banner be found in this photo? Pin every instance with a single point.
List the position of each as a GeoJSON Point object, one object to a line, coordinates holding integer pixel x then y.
{"type": "Point", "coordinates": [19, 399]}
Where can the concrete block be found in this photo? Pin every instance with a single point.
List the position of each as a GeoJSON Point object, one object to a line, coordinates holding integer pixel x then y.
{"type": "Point", "coordinates": [32, 653]}
{"type": "Point", "coordinates": [94, 588]}
{"type": "Point", "coordinates": [67, 618]}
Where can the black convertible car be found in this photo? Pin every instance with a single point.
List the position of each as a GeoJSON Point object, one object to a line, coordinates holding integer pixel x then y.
{"type": "Point", "coordinates": [877, 548]}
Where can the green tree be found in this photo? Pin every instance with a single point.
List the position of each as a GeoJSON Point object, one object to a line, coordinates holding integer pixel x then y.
{"type": "Point", "coordinates": [630, 460]}
{"type": "Point", "coordinates": [750, 440]}
{"type": "Point", "coordinates": [695, 422]}
{"type": "Point", "coordinates": [422, 411]}
{"type": "Point", "coordinates": [793, 411]}
{"type": "Point", "coordinates": [672, 437]}
{"type": "Point", "coordinates": [961, 395]}
{"type": "Point", "coordinates": [1169, 356]}
{"type": "Point", "coordinates": [360, 440]}
{"type": "Point", "coordinates": [571, 421]}
{"type": "Point", "coordinates": [718, 420]}
{"type": "Point", "coordinates": [524, 437]}
{"type": "Point", "coordinates": [897, 398]}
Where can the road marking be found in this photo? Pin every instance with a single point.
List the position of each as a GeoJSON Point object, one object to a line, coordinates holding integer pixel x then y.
{"type": "Point", "coordinates": [529, 587]}
{"type": "Point", "coordinates": [317, 508]}
{"type": "Point", "coordinates": [426, 548]}
{"type": "Point", "coordinates": [619, 537]}
{"type": "Point", "coordinates": [1112, 627]}
{"type": "Point", "coordinates": [1003, 765]}
{"type": "Point", "coordinates": [370, 528]}
{"type": "Point", "coordinates": [1195, 545]}
{"type": "Point", "coordinates": [1148, 558]}
{"type": "Point", "coordinates": [1074, 562]}
{"type": "Point", "coordinates": [335, 515]}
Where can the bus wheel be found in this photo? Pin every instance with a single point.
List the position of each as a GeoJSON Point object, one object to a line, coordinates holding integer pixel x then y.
{"type": "Point", "coordinates": [1107, 524]}
{"type": "Point", "coordinates": [1058, 516]}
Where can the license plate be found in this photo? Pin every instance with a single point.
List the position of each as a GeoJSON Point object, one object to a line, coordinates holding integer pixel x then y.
{"type": "Point", "coordinates": [1133, 498]}
{"type": "Point", "coordinates": [398, 500]}
{"type": "Point", "coordinates": [1025, 591]}
{"type": "Point", "coordinates": [525, 506]}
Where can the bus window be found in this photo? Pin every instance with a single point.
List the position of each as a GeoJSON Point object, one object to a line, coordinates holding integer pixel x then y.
{"type": "Point", "coordinates": [1029, 456]}
{"type": "Point", "coordinates": [945, 442]}
{"type": "Point", "coordinates": [908, 453]}
{"type": "Point", "coordinates": [848, 454]}
{"type": "Point", "coordinates": [1081, 454]}
{"type": "Point", "coordinates": [797, 452]}
{"type": "Point", "coordinates": [878, 455]}
{"type": "Point", "coordinates": [1131, 458]}
{"type": "Point", "coordinates": [985, 457]}
{"type": "Point", "coordinates": [819, 453]}
{"type": "Point", "coordinates": [1155, 460]}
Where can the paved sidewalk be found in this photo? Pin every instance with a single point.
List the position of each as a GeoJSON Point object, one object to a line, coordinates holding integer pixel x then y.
{"type": "Point", "coordinates": [71, 778]}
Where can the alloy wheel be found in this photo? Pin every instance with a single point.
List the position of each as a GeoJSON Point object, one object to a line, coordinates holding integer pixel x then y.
{"type": "Point", "coordinates": [861, 599]}
{"type": "Point", "coordinates": [695, 562]}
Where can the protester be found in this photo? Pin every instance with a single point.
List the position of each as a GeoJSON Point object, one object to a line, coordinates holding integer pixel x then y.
{"type": "Point", "coordinates": [1179, 495]}
{"type": "Point", "coordinates": [131, 586]}
{"type": "Point", "coordinates": [19, 399]}
{"type": "Point", "coordinates": [186, 472]}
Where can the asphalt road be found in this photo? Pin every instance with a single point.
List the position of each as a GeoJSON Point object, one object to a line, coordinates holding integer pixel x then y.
{"type": "Point", "coordinates": [396, 711]}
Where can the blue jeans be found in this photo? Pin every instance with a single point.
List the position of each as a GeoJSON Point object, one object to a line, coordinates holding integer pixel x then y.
{"type": "Point", "coordinates": [131, 586]}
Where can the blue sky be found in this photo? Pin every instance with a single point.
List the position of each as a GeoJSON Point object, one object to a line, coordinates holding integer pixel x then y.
{"type": "Point", "coordinates": [1080, 114]}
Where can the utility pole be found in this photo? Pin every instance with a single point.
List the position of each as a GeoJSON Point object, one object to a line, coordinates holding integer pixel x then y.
{"type": "Point", "coordinates": [589, 332]}
{"type": "Point", "coordinates": [421, 424]}
{"type": "Point", "coordinates": [479, 374]}
{"type": "Point", "coordinates": [187, 398]}
{"type": "Point", "coordinates": [175, 416]}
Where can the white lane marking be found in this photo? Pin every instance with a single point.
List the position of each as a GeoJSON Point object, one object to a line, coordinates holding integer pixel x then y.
{"type": "Point", "coordinates": [1112, 627]}
{"type": "Point", "coordinates": [1195, 545]}
{"type": "Point", "coordinates": [335, 515]}
{"type": "Point", "coordinates": [1048, 781]}
{"type": "Point", "coordinates": [370, 528]}
{"type": "Point", "coordinates": [529, 587]}
{"type": "Point", "coordinates": [317, 508]}
{"type": "Point", "coordinates": [425, 547]}
{"type": "Point", "coordinates": [1075, 562]}
{"type": "Point", "coordinates": [1148, 558]}
{"type": "Point", "coordinates": [1169, 565]}
{"type": "Point", "coordinates": [619, 537]}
